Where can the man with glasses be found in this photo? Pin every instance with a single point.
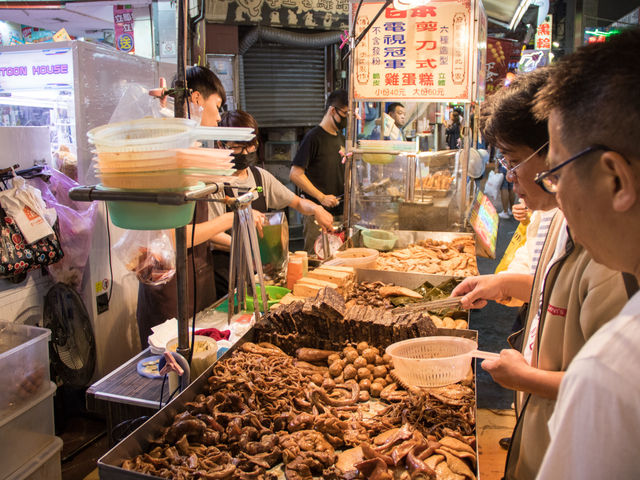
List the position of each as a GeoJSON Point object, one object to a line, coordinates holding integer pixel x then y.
{"type": "Point", "coordinates": [594, 172]}
{"type": "Point", "coordinates": [569, 295]}
{"type": "Point", "coordinates": [317, 169]}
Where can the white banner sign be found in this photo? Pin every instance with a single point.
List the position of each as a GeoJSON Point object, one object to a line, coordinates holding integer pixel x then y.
{"type": "Point", "coordinates": [418, 54]}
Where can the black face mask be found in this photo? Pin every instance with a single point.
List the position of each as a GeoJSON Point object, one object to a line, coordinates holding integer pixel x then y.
{"type": "Point", "coordinates": [342, 124]}
{"type": "Point", "coordinates": [244, 160]}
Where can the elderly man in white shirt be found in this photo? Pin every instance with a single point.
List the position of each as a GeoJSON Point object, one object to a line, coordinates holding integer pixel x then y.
{"type": "Point", "coordinates": [594, 169]}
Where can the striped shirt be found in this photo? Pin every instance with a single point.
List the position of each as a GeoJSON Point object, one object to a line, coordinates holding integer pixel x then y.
{"type": "Point", "coordinates": [541, 236]}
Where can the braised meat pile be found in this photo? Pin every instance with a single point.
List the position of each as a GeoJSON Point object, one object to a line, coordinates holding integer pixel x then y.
{"type": "Point", "coordinates": [264, 414]}
{"type": "Point", "coordinates": [325, 322]}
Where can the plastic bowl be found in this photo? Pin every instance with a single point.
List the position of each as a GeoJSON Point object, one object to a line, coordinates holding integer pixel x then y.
{"type": "Point", "coordinates": [357, 257]}
{"type": "Point", "coordinates": [381, 240]}
{"type": "Point", "coordinates": [274, 294]}
{"type": "Point", "coordinates": [378, 158]}
{"type": "Point", "coordinates": [150, 216]}
{"type": "Point", "coordinates": [432, 361]}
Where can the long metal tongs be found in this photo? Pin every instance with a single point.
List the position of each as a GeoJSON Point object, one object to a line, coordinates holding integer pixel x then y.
{"type": "Point", "coordinates": [450, 302]}
{"type": "Point", "coordinates": [245, 259]}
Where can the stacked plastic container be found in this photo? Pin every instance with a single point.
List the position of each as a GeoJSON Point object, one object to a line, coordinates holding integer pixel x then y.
{"type": "Point", "coordinates": [28, 447]}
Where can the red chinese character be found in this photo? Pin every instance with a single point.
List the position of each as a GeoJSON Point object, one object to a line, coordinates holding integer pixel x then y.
{"type": "Point", "coordinates": [428, 63]}
{"type": "Point", "coordinates": [393, 13]}
{"type": "Point", "coordinates": [426, 79]}
{"type": "Point", "coordinates": [392, 79]}
{"type": "Point", "coordinates": [543, 43]}
{"type": "Point", "coordinates": [408, 79]}
{"type": "Point", "coordinates": [544, 29]}
{"type": "Point", "coordinates": [426, 45]}
{"type": "Point", "coordinates": [426, 26]}
{"type": "Point", "coordinates": [423, 12]}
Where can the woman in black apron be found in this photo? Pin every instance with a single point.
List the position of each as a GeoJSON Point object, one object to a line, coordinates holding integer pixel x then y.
{"type": "Point", "coordinates": [274, 196]}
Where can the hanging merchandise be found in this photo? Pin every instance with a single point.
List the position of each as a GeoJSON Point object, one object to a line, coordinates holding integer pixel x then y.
{"type": "Point", "coordinates": [25, 205]}
{"type": "Point", "coordinates": [17, 256]}
{"type": "Point", "coordinates": [149, 254]}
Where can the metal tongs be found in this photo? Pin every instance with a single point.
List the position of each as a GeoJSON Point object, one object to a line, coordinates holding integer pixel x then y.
{"type": "Point", "coordinates": [450, 302]}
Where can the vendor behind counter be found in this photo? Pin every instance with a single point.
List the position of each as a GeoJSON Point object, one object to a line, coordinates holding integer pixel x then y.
{"type": "Point", "coordinates": [274, 195]}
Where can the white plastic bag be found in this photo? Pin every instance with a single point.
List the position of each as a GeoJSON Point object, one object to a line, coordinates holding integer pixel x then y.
{"type": "Point", "coordinates": [149, 254]}
{"type": "Point", "coordinates": [24, 203]}
{"type": "Point", "coordinates": [492, 188]}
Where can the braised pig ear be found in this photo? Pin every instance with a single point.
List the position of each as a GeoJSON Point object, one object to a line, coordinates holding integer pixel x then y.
{"type": "Point", "coordinates": [434, 460]}
{"type": "Point", "coordinates": [457, 465]}
{"type": "Point", "coordinates": [443, 472]}
{"type": "Point", "coordinates": [455, 444]}
{"type": "Point", "coordinates": [393, 291]}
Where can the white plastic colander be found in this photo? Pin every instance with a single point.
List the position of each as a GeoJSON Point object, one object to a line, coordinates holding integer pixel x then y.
{"type": "Point", "coordinates": [434, 361]}
{"type": "Point", "coordinates": [148, 134]}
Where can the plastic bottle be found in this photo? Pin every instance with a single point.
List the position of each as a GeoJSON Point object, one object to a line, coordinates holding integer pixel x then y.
{"type": "Point", "coordinates": [294, 271]}
{"type": "Point", "coordinates": [305, 260]}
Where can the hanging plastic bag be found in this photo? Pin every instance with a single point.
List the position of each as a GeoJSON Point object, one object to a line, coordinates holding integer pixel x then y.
{"type": "Point", "coordinates": [24, 203]}
{"type": "Point", "coordinates": [492, 188]}
{"type": "Point", "coordinates": [149, 254]}
{"type": "Point", "coordinates": [75, 222]}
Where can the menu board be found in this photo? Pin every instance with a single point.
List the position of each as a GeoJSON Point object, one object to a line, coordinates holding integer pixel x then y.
{"type": "Point", "coordinates": [484, 221]}
{"type": "Point", "coordinates": [425, 53]}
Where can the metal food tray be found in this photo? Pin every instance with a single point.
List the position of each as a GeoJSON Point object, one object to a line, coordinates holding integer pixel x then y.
{"type": "Point", "coordinates": [109, 465]}
{"type": "Point", "coordinates": [410, 280]}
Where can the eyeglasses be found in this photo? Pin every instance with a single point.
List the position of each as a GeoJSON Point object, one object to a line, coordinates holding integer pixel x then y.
{"type": "Point", "coordinates": [511, 171]}
{"type": "Point", "coordinates": [235, 146]}
{"type": "Point", "coordinates": [342, 113]}
{"type": "Point", "coordinates": [548, 180]}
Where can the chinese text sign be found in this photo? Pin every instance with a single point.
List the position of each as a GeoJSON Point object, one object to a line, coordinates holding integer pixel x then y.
{"type": "Point", "coordinates": [417, 54]}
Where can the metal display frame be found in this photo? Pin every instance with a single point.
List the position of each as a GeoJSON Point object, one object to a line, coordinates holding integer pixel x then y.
{"type": "Point", "coordinates": [463, 198]}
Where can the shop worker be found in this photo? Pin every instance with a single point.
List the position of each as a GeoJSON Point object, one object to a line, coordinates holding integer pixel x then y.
{"type": "Point", "coordinates": [392, 122]}
{"type": "Point", "coordinates": [159, 303]}
{"type": "Point", "coordinates": [594, 170]}
{"type": "Point", "coordinates": [317, 169]}
{"type": "Point", "coordinates": [275, 196]}
{"type": "Point", "coordinates": [570, 296]}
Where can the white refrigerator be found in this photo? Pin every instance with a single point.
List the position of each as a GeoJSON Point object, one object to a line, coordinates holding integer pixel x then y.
{"type": "Point", "coordinates": [72, 87]}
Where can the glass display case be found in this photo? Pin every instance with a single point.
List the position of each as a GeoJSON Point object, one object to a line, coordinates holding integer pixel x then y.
{"type": "Point", "coordinates": [408, 190]}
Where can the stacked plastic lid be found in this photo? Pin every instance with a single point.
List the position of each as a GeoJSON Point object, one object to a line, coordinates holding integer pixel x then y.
{"type": "Point", "coordinates": [157, 153]}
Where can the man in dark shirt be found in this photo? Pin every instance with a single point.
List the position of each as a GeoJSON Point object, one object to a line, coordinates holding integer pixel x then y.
{"type": "Point", "coordinates": [317, 168]}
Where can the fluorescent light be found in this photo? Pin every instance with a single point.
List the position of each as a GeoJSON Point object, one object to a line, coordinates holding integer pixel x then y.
{"type": "Point", "coordinates": [522, 8]}
{"type": "Point", "coordinates": [408, 4]}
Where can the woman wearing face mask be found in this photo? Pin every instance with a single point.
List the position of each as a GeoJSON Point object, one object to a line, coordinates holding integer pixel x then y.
{"type": "Point", "coordinates": [274, 196]}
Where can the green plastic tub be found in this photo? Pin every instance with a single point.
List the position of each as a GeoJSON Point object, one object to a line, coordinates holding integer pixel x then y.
{"type": "Point", "coordinates": [381, 240]}
{"type": "Point", "coordinates": [150, 216]}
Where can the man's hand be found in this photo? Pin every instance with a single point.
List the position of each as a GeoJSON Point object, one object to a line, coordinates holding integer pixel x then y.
{"type": "Point", "coordinates": [323, 218]}
{"type": "Point", "coordinates": [520, 211]}
{"type": "Point", "coordinates": [475, 291]}
{"type": "Point", "coordinates": [510, 370]}
{"type": "Point", "coordinates": [258, 218]}
{"type": "Point", "coordinates": [329, 201]}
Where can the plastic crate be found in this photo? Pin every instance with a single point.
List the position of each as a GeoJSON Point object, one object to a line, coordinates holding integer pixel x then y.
{"type": "Point", "coordinates": [25, 431]}
{"type": "Point", "coordinates": [45, 465]}
{"type": "Point", "coordinates": [24, 362]}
